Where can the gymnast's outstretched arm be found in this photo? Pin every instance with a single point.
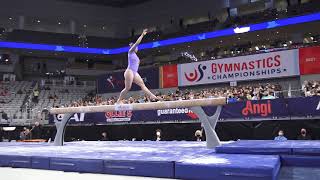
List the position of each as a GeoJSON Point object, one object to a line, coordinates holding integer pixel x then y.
{"type": "Point", "coordinates": [133, 47]}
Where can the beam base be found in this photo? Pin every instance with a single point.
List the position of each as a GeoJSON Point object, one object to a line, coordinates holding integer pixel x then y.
{"type": "Point", "coordinates": [209, 124]}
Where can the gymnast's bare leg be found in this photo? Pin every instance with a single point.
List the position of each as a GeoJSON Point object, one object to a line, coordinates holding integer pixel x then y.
{"type": "Point", "coordinates": [138, 80]}
{"type": "Point", "coordinates": [128, 79]}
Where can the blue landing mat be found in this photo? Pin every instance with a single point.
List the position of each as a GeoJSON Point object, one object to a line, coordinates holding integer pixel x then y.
{"type": "Point", "coordinates": [290, 147]}
{"type": "Point", "coordinates": [292, 152]}
{"type": "Point", "coordinates": [156, 159]}
{"type": "Point", "coordinates": [230, 166]}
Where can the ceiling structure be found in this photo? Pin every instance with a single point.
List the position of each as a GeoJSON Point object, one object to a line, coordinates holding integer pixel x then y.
{"type": "Point", "coordinates": [111, 3]}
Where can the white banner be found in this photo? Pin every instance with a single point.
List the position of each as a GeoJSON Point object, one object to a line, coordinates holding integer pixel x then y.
{"type": "Point", "coordinates": [242, 68]}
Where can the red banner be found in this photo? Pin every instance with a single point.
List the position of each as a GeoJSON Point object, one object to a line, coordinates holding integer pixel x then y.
{"type": "Point", "coordinates": [309, 60]}
{"type": "Point", "coordinates": [169, 76]}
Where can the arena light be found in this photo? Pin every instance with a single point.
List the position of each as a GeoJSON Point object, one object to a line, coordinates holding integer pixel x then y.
{"type": "Point", "coordinates": [173, 41]}
{"type": "Point", "coordinates": [241, 30]}
{"type": "Point", "coordinates": [9, 128]}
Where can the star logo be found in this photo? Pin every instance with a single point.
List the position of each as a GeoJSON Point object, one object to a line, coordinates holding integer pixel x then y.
{"type": "Point", "coordinates": [272, 24]}
{"type": "Point", "coordinates": [59, 48]}
{"type": "Point", "coordinates": [202, 37]}
{"type": "Point", "coordinates": [105, 52]}
{"type": "Point", "coordinates": [155, 44]}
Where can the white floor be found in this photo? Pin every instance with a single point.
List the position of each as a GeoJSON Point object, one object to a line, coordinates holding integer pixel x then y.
{"type": "Point", "coordinates": [33, 174]}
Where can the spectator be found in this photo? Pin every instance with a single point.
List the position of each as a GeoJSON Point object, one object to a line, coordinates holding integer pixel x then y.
{"type": "Point", "coordinates": [19, 91]}
{"type": "Point", "coordinates": [255, 96]}
{"type": "Point", "coordinates": [232, 99]}
{"type": "Point", "coordinates": [36, 131]}
{"type": "Point", "coordinates": [268, 95]}
{"type": "Point", "coordinates": [280, 136]}
{"type": "Point", "coordinates": [4, 116]}
{"type": "Point", "coordinates": [158, 135]}
{"type": "Point", "coordinates": [311, 88]}
{"type": "Point", "coordinates": [35, 95]}
{"type": "Point", "coordinates": [198, 135]}
{"type": "Point", "coordinates": [242, 97]}
{"type": "Point", "coordinates": [25, 134]}
{"type": "Point", "coordinates": [55, 97]}
{"type": "Point", "coordinates": [104, 137]}
{"type": "Point", "coordinates": [50, 96]}
{"type": "Point", "coordinates": [303, 135]}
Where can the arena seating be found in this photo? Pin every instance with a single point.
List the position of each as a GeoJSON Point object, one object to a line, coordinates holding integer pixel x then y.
{"type": "Point", "coordinates": [13, 95]}
{"type": "Point", "coordinates": [60, 96]}
{"type": "Point", "coordinates": [18, 106]}
{"type": "Point", "coordinates": [309, 7]}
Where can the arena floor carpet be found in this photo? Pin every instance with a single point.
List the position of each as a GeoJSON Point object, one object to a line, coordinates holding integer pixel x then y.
{"type": "Point", "coordinates": [176, 159]}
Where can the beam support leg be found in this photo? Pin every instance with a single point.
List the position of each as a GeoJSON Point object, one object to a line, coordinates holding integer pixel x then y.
{"type": "Point", "coordinates": [61, 126]}
{"type": "Point", "coordinates": [209, 123]}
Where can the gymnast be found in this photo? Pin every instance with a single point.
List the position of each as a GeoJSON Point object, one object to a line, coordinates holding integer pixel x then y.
{"type": "Point", "coordinates": [131, 74]}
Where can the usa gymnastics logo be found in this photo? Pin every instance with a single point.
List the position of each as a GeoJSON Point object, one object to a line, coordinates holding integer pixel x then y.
{"type": "Point", "coordinates": [118, 116]}
{"type": "Point", "coordinates": [197, 74]}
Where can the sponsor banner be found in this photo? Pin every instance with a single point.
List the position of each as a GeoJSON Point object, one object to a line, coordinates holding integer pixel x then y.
{"type": "Point", "coordinates": [273, 109]}
{"type": "Point", "coordinates": [177, 114]}
{"type": "Point", "coordinates": [309, 60]}
{"type": "Point", "coordinates": [258, 66]}
{"type": "Point", "coordinates": [304, 107]}
{"type": "Point", "coordinates": [169, 76]}
{"type": "Point", "coordinates": [240, 111]}
{"type": "Point", "coordinates": [114, 82]}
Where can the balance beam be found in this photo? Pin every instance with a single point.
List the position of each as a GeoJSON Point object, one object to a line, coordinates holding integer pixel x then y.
{"type": "Point", "coordinates": [142, 106]}
{"type": "Point", "coordinates": [209, 122]}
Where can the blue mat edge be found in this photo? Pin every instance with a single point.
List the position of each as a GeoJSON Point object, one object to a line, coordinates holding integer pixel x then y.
{"type": "Point", "coordinates": [70, 165]}
{"type": "Point", "coordinates": [300, 160]}
{"type": "Point", "coordinates": [48, 163]}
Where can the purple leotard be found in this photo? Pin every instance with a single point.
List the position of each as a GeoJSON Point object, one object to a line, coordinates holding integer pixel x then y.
{"type": "Point", "coordinates": [133, 62]}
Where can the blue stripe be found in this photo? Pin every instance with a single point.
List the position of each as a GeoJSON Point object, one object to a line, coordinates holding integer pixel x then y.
{"type": "Point", "coordinates": [167, 42]}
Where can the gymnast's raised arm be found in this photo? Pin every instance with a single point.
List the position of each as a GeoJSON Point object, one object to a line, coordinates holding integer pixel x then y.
{"type": "Point", "coordinates": [133, 47]}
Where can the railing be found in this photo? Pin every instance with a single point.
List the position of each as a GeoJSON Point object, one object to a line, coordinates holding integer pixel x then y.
{"type": "Point", "coordinates": [289, 93]}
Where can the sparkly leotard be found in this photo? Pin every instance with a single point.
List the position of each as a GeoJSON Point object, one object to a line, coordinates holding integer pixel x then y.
{"type": "Point", "coordinates": [133, 62]}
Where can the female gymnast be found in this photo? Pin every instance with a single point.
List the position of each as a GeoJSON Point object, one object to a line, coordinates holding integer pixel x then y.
{"type": "Point", "coordinates": [131, 74]}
